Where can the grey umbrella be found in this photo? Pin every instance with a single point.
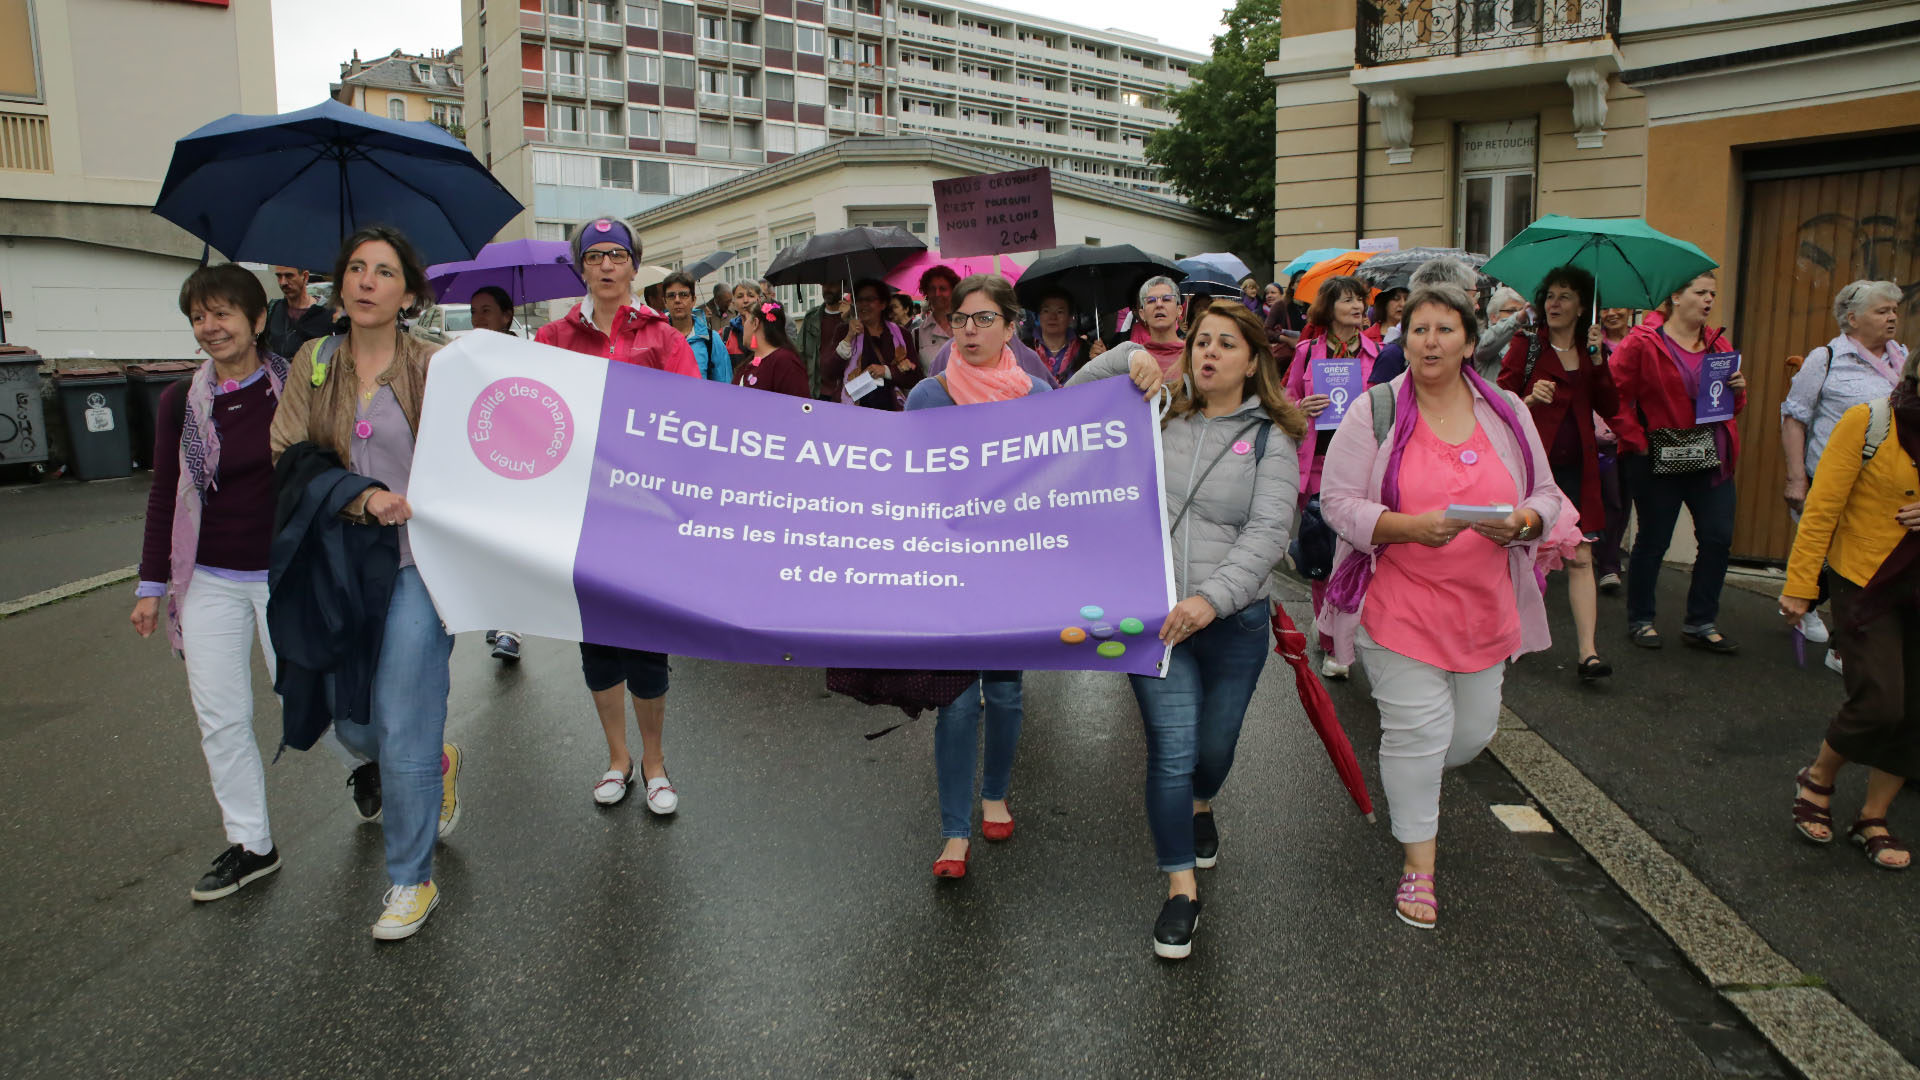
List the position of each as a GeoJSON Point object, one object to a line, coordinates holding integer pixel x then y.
{"type": "Point", "coordinates": [700, 268]}
{"type": "Point", "coordinates": [1394, 269]}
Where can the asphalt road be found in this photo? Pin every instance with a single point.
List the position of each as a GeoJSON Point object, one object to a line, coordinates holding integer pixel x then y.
{"type": "Point", "coordinates": [57, 532]}
{"type": "Point", "coordinates": [785, 923]}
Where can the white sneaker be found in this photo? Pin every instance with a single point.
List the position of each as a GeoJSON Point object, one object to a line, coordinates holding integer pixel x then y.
{"type": "Point", "coordinates": [1813, 629]}
{"type": "Point", "coordinates": [1332, 669]}
{"type": "Point", "coordinates": [662, 799]}
{"type": "Point", "coordinates": [1833, 662]}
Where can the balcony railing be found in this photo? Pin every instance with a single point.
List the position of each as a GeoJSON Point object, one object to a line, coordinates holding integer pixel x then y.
{"type": "Point", "coordinates": [746, 54]}
{"type": "Point", "coordinates": [713, 102]}
{"type": "Point", "coordinates": [572, 85]}
{"type": "Point", "coordinates": [748, 106]}
{"type": "Point", "coordinates": [1391, 31]}
{"type": "Point", "coordinates": [608, 88]}
{"type": "Point", "coordinates": [840, 69]}
{"type": "Point", "coordinates": [870, 24]}
{"type": "Point", "coordinates": [24, 145]}
{"type": "Point", "coordinates": [568, 26]}
{"type": "Point", "coordinates": [559, 137]}
{"type": "Point", "coordinates": [600, 140]}
{"type": "Point", "coordinates": [710, 49]}
{"type": "Point", "coordinates": [607, 32]}
{"type": "Point", "coordinates": [840, 18]}
{"type": "Point", "coordinates": [841, 119]}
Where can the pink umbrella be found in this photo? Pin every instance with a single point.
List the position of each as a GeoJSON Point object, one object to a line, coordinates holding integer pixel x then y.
{"type": "Point", "coordinates": [906, 276]}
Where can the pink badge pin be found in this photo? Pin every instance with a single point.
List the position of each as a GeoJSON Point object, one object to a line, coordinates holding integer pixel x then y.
{"type": "Point", "coordinates": [363, 430]}
{"type": "Point", "coordinates": [1243, 447]}
{"type": "Point", "coordinates": [1468, 457]}
{"type": "Point", "coordinates": [229, 386]}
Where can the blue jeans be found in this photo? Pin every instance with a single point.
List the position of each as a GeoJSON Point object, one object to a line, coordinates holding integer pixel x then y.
{"type": "Point", "coordinates": [410, 684]}
{"type": "Point", "coordinates": [1659, 499]}
{"type": "Point", "coordinates": [1193, 721]}
{"type": "Point", "coordinates": [956, 743]}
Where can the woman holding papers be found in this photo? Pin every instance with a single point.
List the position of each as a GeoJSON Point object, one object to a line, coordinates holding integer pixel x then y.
{"type": "Point", "coordinates": [1440, 491]}
{"type": "Point", "coordinates": [878, 350]}
{"type": "Point", "coordinates": [981, 369]}
{"type": "Point", "coordinates": [1328, 372]}
{"type": "Point", "coordinates": [357, 396]}
{"type": "Point", "coordinates": [1231, 475]}
{"type": "Point", "coordinates": [1862, 519]}
{"type": "Point", "coordinates": [1558, 373]}
{"type": "Point", "coordinates": [1680, 388]}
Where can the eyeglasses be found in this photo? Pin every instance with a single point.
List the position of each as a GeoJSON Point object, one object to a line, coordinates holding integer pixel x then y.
{"type": "Point", "coordinates": [982, 319]}
{"type": "Point", "coordinates": [618, 257]}
{"type": "Point", "coordinates": [1161, 298]}
{"type": "Point", "coordinates": [680, 294]}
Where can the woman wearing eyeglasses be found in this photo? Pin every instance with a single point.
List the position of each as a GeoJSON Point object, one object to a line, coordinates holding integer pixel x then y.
{"type": "Point", "coordinates": [605, 251]}
{"type": "Point", "coordinates": [876, 346]}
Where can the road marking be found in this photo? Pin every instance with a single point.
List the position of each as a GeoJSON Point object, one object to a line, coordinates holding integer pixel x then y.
{"type": "Point", "coordinates": [1810, 1027]}
{"type": "Point", "coordinates": [1522, 818]}
{"type": "Point", "coordinates": [70, 589]}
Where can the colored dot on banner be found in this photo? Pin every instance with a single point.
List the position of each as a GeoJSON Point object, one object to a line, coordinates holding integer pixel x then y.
{"type": "Point", "coordinates": [1103, 631]}
{"type": "Point", "coordinates": [1073, 635]}
{"type": "Point", "coordinates": [1092, 611]}
{"type": "Point", "coordinates": [1132, 626]}
{"type": "Point", "coordinates": [1111, 649]}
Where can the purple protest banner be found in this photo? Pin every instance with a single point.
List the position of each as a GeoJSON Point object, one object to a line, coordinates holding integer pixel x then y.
{"type": "Point", "coordinates": [573, 498]}
{"type": "Point", "coordinates": [995, 213]}
{"type": "Point", "coordinates": [1714, 400]}
{"type": "Point", "coordinates": [1341, 381]}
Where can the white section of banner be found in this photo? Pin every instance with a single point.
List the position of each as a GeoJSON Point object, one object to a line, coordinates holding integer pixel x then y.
{"type": "Point", "coordinates": [485, 541]}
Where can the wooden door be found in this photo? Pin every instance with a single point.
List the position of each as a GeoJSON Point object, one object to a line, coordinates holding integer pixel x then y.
{"type": "Point", "coordinates": [1806, 237]}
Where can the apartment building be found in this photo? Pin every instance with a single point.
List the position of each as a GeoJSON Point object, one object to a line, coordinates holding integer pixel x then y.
{"type": "Point", "coordinates": [86, 270]}
{"type": "Point", "coordinates": [403, 86]}
{"type": "Point", "coordinates": [1779, 135]}
{"type": "Point", "coordinates": [586, 107]}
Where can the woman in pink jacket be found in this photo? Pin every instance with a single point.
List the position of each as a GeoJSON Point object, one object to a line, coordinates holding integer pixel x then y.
{"type": "Point", "coordinates": [1340, 311]}
{"type": "Point", "coordinates": [1436, 597]}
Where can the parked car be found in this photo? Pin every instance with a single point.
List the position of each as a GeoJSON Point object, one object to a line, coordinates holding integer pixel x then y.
{"type": "Point", "coordinates": [448, 322]}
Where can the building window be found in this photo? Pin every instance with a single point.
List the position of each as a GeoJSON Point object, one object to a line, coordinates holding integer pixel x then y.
{"type": "Point", "coordinates": [643, 67]}
{"type": "Point", "coordinates": [780, 138]}
{"type": "Point", "coordinates": [713, 28]}
{"type": "Point", "coordinates": [643, 123]}
{"type": "Point", "coordinates": [779, 87]}
{"type": "Point", "coordinates": [606, 120]}
{"type": "Point", "coordinates": [1495, 194]}
{"type": "Point", "coordinates": [713, 135]}
{"type": "Point", "coordinates": [742, 32]}
{"type": "Point", "coordinates": [645, 16]}
{"type": "Point", "coordinates": [912, 219]}
{"type": "Point", "coordinates": [742, 83]}
{"type": "Point", "coordinates": [810, 138]}
{"type": "Point", "coordinates": [616, 173]}
{"type": "Point", "coordinates": [680, 128]}
{"type": "Point", "coordinates": [549, 230]}
{"type": "Point", "coordinates": [676, 18]}
{"type": "Point", "coordinates": [602, 65]}
{"type": "Point", "coordinates": [651, 177]}
{"type": "Point", "coordinates": [396, 108]}
{"type": "Point", "coordinates": [440, 114]}
{"type": "Point", "coordinates": [566, 8]}
{"type": "Point", "coordinates": [810, 90]}
{"type": "Point", "coordinates": [811, 40]}
{"type": "Point", "coordinates": [870, 54]}
{"type": "Point", "coordinates": [746, 134]}
{"type": "Point", "coordinates": [566, 117]}
{"type": "Point", "coordinates": [712, 81]}
{"type": "Point", "coordinates": [779, 34]}
{"type": "Point", "coordinates": [677, 73]}
{"type": "Point", "coordinates": [606, 11]}
{"type": "Point", "coordinates": [687, 179]}
{"type": "Point", "coordinates": [565, 61]}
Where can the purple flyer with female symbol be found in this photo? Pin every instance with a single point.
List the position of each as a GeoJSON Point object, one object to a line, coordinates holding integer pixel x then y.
{"type": "Point", "coordinates": [1341, 381]}
{"type": "Point", "coordinates": [1714, 401]}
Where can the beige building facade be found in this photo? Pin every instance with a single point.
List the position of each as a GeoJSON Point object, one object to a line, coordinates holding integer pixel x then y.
{"type": "Point", "coordinates": [85, 269]}
{"type": "Point", "coordinates": [889, 181]}
{"type": "Point", "coordinates": [1782, 136]}
{"type": "Point", "coordinates": [407, 86]}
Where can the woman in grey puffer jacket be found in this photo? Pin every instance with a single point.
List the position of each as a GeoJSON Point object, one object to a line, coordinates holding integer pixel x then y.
{"type": "Point", "coordinates": [1231, 474]}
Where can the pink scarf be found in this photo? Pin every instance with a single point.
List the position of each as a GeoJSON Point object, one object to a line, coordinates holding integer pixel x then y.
{"type": "Point", "coordinates": [1166, 354]}
{"type": "Point", "coordinates": [1001, 380]}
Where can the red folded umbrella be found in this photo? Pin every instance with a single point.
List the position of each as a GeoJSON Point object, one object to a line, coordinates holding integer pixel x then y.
{"type": "Point", "coordinates": [1292, 644]}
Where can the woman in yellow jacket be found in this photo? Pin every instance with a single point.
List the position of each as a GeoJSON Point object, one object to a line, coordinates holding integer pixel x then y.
{"type": "Point", "coordinates": [1862, 520]}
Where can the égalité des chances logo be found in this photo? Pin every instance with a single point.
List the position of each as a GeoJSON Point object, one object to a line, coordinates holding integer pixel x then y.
{"type": "Point", "coordinates": [520, 428]}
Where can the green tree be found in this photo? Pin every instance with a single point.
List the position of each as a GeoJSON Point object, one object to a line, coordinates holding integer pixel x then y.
{"type": "Point", "coordinates": [1219, 154]}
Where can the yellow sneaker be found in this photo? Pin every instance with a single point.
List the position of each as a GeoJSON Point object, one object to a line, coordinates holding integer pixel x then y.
{"type": "Point", "coordinates": [407, 909]}
{"type": "Point", "coordinates": [449, 788]}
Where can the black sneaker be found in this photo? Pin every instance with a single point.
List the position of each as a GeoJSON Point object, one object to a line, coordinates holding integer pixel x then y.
{"type": "Point", "coordinates": [365, 782]}
{"type": "Point", "coordinates": [1206, 841]}
{"type": "Point", "coordinates": [1173, 930]}
{"type": "Point", "coordinates": [491, 635]}
{"type": "Point", "coordinates": [234, 867]}
{"type": "Point", "coordinates": [506, 646]}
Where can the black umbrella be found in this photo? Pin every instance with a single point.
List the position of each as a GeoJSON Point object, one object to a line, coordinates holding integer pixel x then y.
{"type": "Point", "coordinates": [700, 268]}
{"type": "Point", "coordinates": [1204, 280]}
{"type": "Point", "coordinates": [1394, 269]}
{"type": "Point", "coordinates": [1102, 280]}
{"type": "Point", "coordinates": [845, 255]}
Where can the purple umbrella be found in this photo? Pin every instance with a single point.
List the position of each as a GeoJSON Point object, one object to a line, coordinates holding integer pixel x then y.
{"type": "Point", "coordinates": [530, 271]}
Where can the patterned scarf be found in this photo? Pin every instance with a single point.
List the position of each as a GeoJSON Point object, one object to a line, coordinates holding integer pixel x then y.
{"type": "Point", "coordinates": [199, 469]}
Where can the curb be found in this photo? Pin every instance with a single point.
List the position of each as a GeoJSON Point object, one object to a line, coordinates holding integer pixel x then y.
{"type": "Point", "coordinates": [1806, 1024]}
{"type": "Point", "coordinates": [70, 589]}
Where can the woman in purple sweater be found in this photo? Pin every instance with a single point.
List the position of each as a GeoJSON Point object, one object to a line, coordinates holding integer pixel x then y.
{"type": "Point", "coordinates": [209, 525]}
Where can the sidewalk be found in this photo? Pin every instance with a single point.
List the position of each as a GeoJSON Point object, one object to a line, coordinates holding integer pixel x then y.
{"type": "Point", "coordinates": [1701, 751]}
{"type": "Point", "coordinates": [63, 531]}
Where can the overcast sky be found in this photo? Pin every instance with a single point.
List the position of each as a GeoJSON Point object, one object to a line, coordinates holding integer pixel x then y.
{"type": "Point", "coordinates": [310, 39]}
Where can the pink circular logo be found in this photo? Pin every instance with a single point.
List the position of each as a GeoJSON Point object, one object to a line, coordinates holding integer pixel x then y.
{"type": "Point", "coordinates": [520, 428]}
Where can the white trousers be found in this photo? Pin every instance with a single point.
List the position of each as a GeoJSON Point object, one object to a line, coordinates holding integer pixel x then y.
{"type": "Point", "coordinates": [219, 623]}
{"type": "Point", "coordinates": [1431, 720]}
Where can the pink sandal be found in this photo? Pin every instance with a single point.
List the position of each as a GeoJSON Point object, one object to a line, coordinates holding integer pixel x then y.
{"type": "Point", "coordinates": [1412, 892]}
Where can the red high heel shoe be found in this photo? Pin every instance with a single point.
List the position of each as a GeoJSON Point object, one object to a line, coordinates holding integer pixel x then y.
{"type": "Point", "coordinates": [953, 868]}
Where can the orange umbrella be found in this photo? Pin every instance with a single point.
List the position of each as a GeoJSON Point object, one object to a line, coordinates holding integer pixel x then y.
{"type": "Point", "coordinates": [1340, 265]}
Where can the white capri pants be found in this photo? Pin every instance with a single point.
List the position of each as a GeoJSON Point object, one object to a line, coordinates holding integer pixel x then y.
{"type": "Point", "coordinates": [1431, 720]}
{"type": "Point", "coordinates": [219, 622]}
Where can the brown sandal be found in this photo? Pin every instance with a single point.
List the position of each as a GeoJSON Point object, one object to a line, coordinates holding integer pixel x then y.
{"type": "Point", "coordinates": [1807, 813]}
{"type": "Point", "coordinates": [1875, 845]}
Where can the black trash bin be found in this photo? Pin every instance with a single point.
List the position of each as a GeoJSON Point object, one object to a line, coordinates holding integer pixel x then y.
{"type": "Point", "coordinates": [23, 424]}
{"type": "Point", "coordinates": [147, 382]}
{"type": "Point", "coordinates": [94, 403]}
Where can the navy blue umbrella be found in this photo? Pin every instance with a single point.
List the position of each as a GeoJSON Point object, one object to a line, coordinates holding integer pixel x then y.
{"type": "Point", "coordinates": [1207, 279]}
{"type": "Point", "coordinates": [289, 188]}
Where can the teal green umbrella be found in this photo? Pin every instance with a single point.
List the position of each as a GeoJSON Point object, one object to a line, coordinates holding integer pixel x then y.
{"type": "Point", "coordinates": [1307, 260]}
{"type": "Point", "coordinates": [1633, 264]}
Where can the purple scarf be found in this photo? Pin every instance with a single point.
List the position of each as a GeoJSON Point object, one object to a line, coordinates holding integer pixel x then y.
{"type": "Point", "coordinates": [1348, 585]}
{"type": "Point", "coordinates": [859, 347]}
{"type": "Point", "coordinates": [199, 470]}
